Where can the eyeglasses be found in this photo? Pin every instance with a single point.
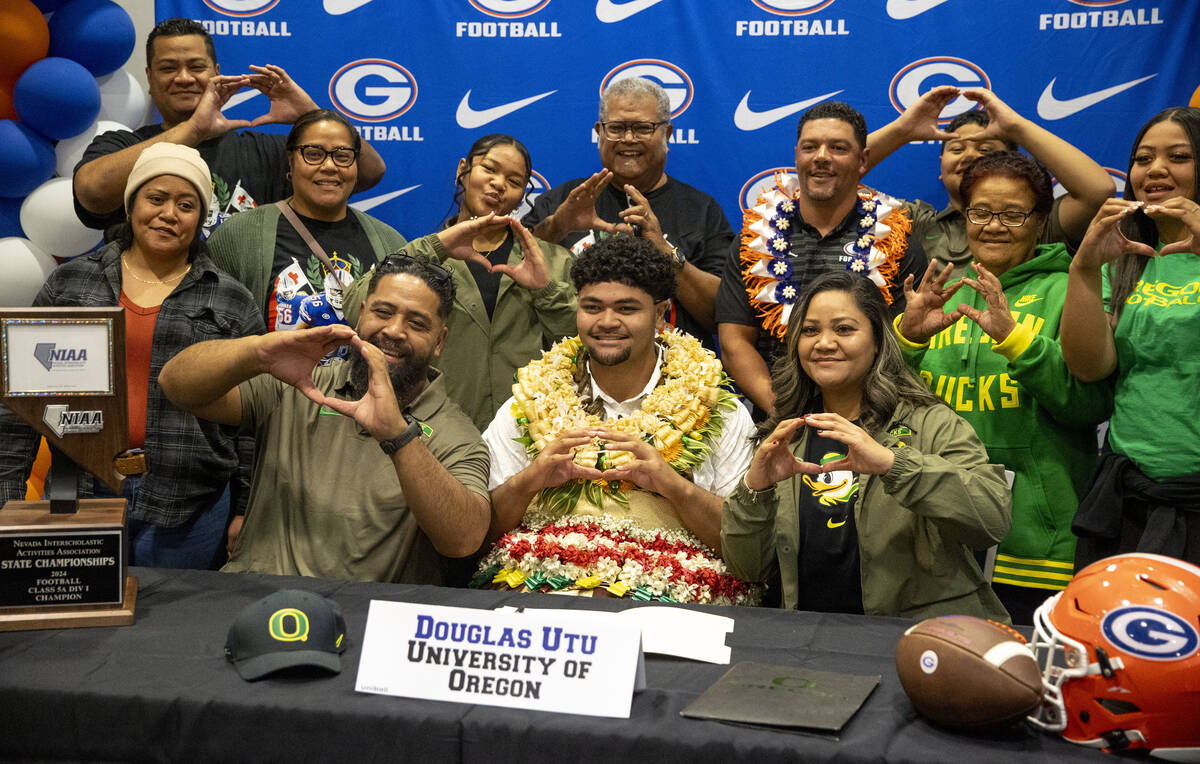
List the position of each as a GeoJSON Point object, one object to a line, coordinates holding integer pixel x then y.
{"type": "Point", "coordinates": [615, 131]}
{"type": "Point", "coordinates": [342, 156]}
{"type": "Point", "coordinates": [1008, 218]}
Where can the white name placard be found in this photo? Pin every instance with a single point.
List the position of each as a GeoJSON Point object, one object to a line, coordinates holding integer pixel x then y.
{"type": "Point", "coordinates": [547, 660]}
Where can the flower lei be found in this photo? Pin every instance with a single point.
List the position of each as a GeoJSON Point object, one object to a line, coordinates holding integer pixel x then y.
{"type": "Point", "coordinates": [613, 554]}
{"type": "Point", "coordinates": [878, 246]}
{"type": "Point", "coordinates": [680, 417]}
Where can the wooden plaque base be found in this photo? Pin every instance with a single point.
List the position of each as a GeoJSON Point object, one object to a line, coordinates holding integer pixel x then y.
{"type": "Point", "coordinates": [31, 519]}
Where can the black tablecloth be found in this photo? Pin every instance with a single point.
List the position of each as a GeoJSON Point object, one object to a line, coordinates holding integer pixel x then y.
{"type": "Point", "coordinates": [162, 690]}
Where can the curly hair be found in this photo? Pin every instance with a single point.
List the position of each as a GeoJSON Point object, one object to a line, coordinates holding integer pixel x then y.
{"type": "Point", "coordinates": [1127, 270]}
{"type": "Point", "coordinates": [1015, 165]}
{"type": "Point", "coordinates": [436, 277]}
{"type": "Point", "coordinates": [626, 260]}
{"type": "Point", "coordinates": [836, 110]}
{"type": "Point", "coordinates": [179, 27]}
{"type": "Point", "coordinates": [889, 380]}
{"type": "Point", "coordinates": [974, 117]}
{"type": "Point", "coordinates": [479, 149]}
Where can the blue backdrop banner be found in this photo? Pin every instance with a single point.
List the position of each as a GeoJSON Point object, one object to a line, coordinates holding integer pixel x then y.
{"type": "Point", "coordinates": [421, 80]}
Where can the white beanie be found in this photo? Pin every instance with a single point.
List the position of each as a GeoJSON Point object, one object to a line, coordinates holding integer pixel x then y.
{"type": "Point", "coordinates": [171, 159]}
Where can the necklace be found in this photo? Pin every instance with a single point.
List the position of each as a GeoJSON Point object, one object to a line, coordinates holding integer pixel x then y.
{"type": "Point", "coordinates": [136, 277]}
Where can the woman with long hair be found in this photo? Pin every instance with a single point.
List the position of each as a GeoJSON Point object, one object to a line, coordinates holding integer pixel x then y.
{"type": "Point", "coordinates": [1132, 313]}
{"type": "Point", "coordinates": [298, 256]}
{"type": "Point", "coordinates": [867, 492]}
{"type": "Point", "coordinates": [179, 468]}
{"type": "Point", "coordinates": [514, 294]}
{"type": "Point", "coordinates": [993, 353]}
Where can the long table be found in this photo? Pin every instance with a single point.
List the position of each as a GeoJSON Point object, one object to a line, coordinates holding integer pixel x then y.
{"type": "Point", "coordinates": [162, 690]}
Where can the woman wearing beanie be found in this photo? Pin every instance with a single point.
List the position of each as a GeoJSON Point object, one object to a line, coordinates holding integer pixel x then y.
{"type": "Point", "coordinates": [179, 468]}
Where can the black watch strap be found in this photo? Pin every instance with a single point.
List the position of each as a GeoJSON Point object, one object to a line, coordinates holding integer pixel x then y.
{"type": "Point", "coordinates": [392, 445]}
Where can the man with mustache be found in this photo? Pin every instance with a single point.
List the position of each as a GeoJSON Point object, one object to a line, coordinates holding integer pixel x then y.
{"type": "Point", "coordinates": [623, 433]}
{"type": "Point", "coordinates": [822, 220]}
{"type": "Point", "coordinates": [188, 90]}
{"type": "Point", "coordinates": [364, 468]}
{"type": "Point", "coordinates": [634, 194]}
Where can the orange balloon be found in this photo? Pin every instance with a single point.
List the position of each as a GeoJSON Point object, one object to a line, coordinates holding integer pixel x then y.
{"type": "Point", "coordinates": [36, 485]}
{"type": "Point", "coordinates": [1195, 97]}
{"type": "Point", "coordinates": [24, 37]}
{"type": "Point", "coordinates": [7, 111]}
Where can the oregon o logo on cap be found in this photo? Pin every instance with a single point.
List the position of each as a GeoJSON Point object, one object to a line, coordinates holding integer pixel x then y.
{"type": "Point", "coordinates": [241, 8]}
{"type": "Point", "coordinates": [672, 79]}
{"type": "Point", "coordinates": [279, 625]}
{"type": "Point", "coordinates": [509, 9]}
{"type": "Point", "coordinates": [792, 7]}
{"type": "Point", "coordinates": [909, 83]}
{"type": "Point", "coordinates": [373, 90]}
{"type": "Point", "coordinates": [758, 183]}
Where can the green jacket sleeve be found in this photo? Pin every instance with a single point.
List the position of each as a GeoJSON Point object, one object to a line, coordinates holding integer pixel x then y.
{"type": "Point", "coordinates": [954, 485]}
{"type": "Point", "coordinates": [1037, 364]}
{"type": "Point", "coordinates": [748, 533]}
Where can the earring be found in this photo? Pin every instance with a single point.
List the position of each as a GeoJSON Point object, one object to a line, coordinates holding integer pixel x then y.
{"type": "Point", "coordinates": [289, 176]}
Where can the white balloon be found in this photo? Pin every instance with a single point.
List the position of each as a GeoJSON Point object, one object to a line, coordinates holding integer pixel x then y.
{"type": "Point", "coordinates": [122, 99]}
{"type": "Point", "coordinates": [25, 268]}
{"type": "Point", "coordinates": [69, 151]}
{"type": "Point", "coordinates": [48, 219]}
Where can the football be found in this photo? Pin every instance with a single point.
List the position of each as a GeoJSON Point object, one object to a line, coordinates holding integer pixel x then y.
{"type": "Point", "coordinates": [963, 671]}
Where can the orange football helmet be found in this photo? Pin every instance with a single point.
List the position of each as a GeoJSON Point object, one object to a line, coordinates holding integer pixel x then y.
{"type": "Point", "coordinates": [1119, 650]}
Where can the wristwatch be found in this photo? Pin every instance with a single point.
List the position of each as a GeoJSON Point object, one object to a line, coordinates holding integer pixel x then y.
{"type": "Point", "coordinates": [678, 261]}
{"type": "Point", "coordinates": [392, 445]}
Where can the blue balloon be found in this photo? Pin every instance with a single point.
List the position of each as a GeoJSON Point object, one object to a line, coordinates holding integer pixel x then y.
{"type": "Point", "coordinates": [97, 33]}
{"type": "Point", "coordinates": [57, 97]}
{"type": "Point", "coordinates": [26, 159]}
{"type": "Point", "coordinates": [10, 218]}
{"type": "Point", "coordinates": [49, 6]}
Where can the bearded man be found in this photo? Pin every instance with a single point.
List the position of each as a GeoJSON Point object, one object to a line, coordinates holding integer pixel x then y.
{"type": "Point", "coordinates": [364, 469]}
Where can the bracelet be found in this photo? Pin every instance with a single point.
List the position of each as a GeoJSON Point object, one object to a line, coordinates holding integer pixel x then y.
{"type": "Point", "coordinates": [759, 493]}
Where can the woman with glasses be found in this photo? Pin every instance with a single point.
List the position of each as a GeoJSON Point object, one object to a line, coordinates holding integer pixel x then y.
{"type": "Point", "coordinates": [992, 352]}
{"type": "Point", "coordinates": [514, 292]}
{"type": "Point", "coordinates": [273, 250]}
{"type": "Point", "coordinates": [1132, 315]}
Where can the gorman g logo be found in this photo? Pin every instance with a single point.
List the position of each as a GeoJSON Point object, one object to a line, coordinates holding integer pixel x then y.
{"type": "Point", "coordinates": [241, 8]}
{"type": "Point", "coordinates": [672, 79]}
{"type": "Point", "coordinates": [509, 9]}
{"type": "Point", "coordinates": [1150, 633]}
{"type": "Point", "coordinates": [909, 84]}
{"type": "Point", "coordinates": [373, 90]}
{"type": "Point", "coordinates": [792, 7]}
{"type": "Point", "coordinates": [758, 183]}
{"type": "Point", "coordinates": [288, 625]}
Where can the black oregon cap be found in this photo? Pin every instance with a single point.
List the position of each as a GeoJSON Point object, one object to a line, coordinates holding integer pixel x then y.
{"type": "Point", "coordinates": [285, 629]}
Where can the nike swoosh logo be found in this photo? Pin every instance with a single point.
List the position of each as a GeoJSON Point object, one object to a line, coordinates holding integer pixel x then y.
{"type": "Point", "coordinates": [469, 118]}
{"type": "Point", "coordinates": [748, 119]}
{"type": "Point", "coordinates": [830, 523]}
{"type": "Point", "coordinates": [611, 12]}
{"type": "Point", "coordinates": [339, 7]}
{"type": "Point", "coordinates": [238, 99]}
{"type": "Point", "coordinates": [1049, 107]}
{"type": "Point", "coordinates": [362, 205]}
{"type": "Point", "coordinates": [906, 9]}
{"type": "Point", "coordinates": [1027, 299]}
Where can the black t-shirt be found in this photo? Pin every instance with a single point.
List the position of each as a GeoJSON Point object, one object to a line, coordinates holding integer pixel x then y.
{"type": "Point", "coordinates": [302, 291]}
{"type": "Point", "coordinates": [248, 169]}
{"type": "Point", "coordinates": [487, 281]}
{"type": "Point", "coordinates": [830, 577]}
{"type": "Point", "coordinates": [811, 254]}
{"type": "Point", "coordinates": [690, 219]}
